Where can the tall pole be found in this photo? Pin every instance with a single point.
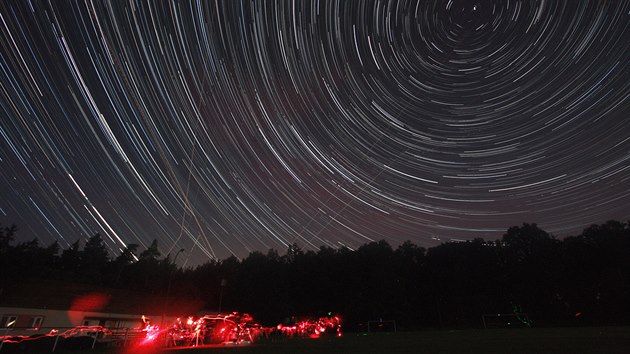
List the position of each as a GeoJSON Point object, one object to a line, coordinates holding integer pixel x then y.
{"type": "Point", "coordinates": [168, 288]}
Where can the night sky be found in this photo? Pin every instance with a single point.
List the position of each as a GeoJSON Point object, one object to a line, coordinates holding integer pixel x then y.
{"type": "Point", "coordinates": [229, 127]}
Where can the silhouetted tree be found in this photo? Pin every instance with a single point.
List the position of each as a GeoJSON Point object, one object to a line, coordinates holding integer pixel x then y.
{"type": "Point", "coordinates": [49, 260]}
{"type": "Point", "coordinates": [147, 273]}
{"type": "Point", "coordinates": [606, 299]}
{"type": "Point", "coordinates": [583, 279]}
{"type": "Point", "coordinates": [530, 260]}
{"type": "Point", "coordinates": [71, 260]}
{"type": "Point", "coordinates": [151, 254]}
{"type": "Point", "coordinates": [7, 236]}
{"type": "Point", "coordinates": [93, 259]}
{"type": "Point", "coordinates": [8, 270]}
{"type": "Point", "coordinates": [118, 265]}
{"type": "Point", "coordinates": [293, 252]}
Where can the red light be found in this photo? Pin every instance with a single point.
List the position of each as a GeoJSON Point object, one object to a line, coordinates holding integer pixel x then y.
{"type": "Point", "coordinates": [92, 302]}
{"type": "Point", "coordinates": [234, 328]}
{"type": "Point", "coordinates": [89, 302]}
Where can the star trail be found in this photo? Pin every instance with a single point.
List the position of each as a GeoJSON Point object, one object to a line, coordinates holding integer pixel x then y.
{"type": "Point", "coordinates": [224, 127]}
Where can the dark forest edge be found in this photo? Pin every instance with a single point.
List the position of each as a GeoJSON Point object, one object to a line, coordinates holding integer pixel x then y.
{"type": "Point", "coordinates": [579, 280]}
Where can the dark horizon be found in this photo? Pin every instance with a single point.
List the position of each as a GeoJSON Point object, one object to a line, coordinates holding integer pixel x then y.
{"type": "Point", "coordinates": [539, 280]}
{"type": "Point", "coordinates": [234, 126]}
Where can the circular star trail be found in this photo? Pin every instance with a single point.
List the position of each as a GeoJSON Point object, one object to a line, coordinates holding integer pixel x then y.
{"type": "Point", "coordinates": [225, 127]}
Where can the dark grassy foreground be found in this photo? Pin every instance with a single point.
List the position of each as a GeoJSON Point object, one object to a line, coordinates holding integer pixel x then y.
{"type": "Point", "coordinates": [526, 341]}
{"type": "Point", "coordinates": [585, 340]}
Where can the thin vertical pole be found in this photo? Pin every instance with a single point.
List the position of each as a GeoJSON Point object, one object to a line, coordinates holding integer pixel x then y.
{"type": "Point", "coordinates": [6, 331]}
{"type": "Point", "coordinates": [55, 345]}
{"type": "Point", "coordinates": [94, 341]}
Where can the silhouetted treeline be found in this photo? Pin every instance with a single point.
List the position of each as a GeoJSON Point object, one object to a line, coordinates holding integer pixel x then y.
{"type": "Point", "coordinates": [581, 280]}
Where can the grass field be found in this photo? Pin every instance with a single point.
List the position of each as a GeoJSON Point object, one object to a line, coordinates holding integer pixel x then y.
{"type": "Point", "coordinates": [586, 340]}
{"type": "Point", "coordinates": [527, 341]}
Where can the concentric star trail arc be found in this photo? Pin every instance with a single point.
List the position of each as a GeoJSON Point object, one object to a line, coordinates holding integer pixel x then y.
{"type": "Point", "coordinates": [225, 127]}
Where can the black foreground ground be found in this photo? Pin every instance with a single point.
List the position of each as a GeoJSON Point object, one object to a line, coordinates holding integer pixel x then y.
{"type": "Point", "coordinates": [526, 341]}
{"type": "Point", "coordinates": [596, 340]}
